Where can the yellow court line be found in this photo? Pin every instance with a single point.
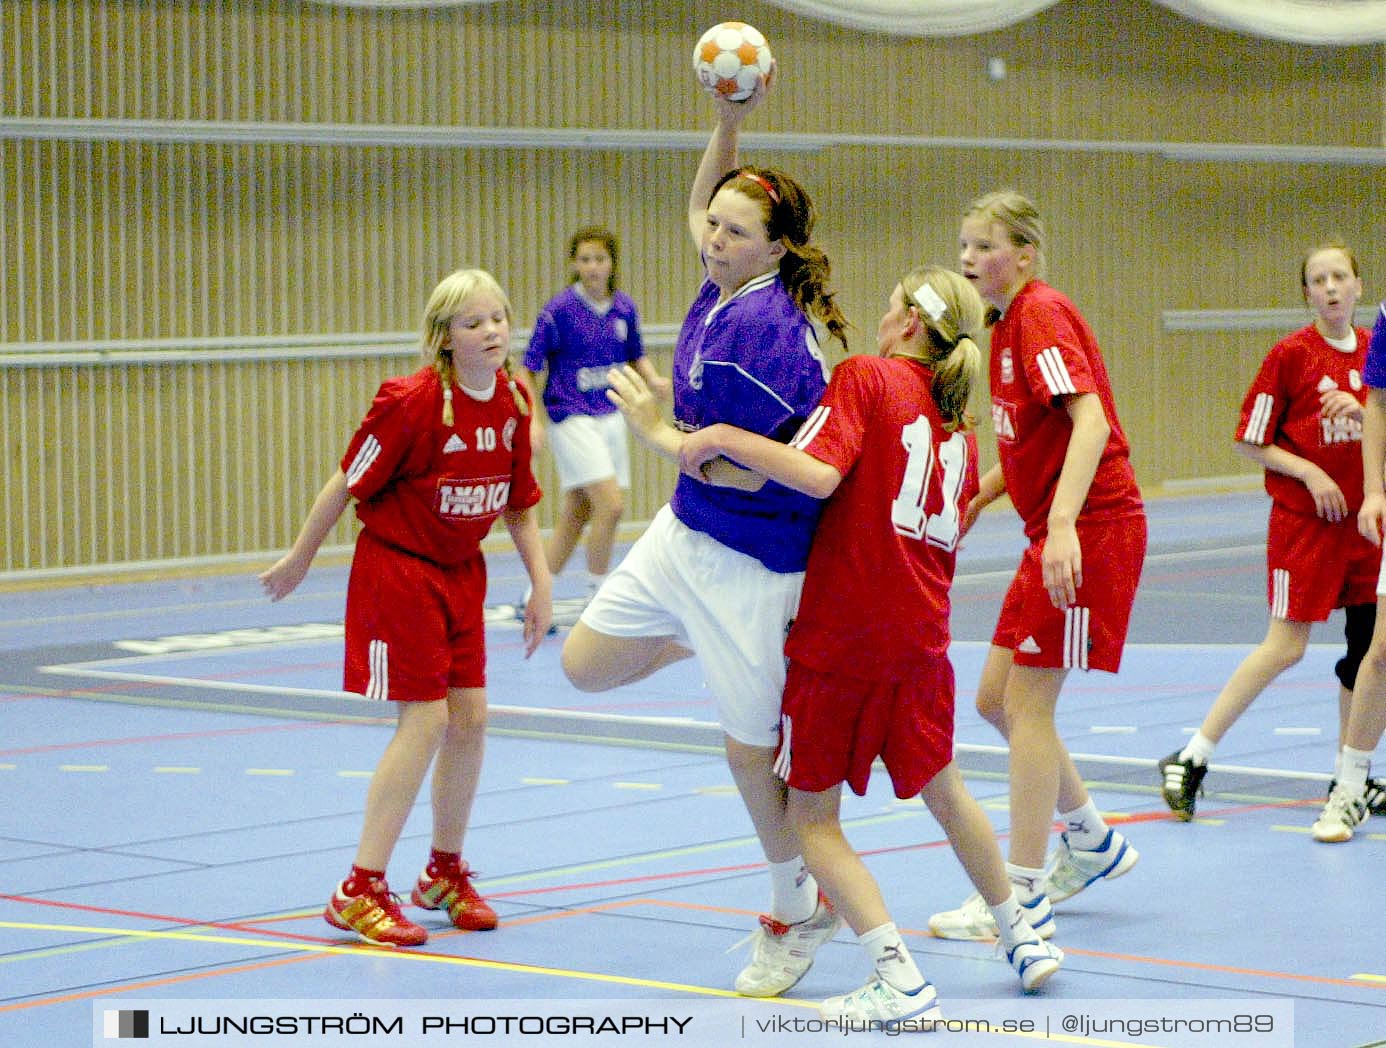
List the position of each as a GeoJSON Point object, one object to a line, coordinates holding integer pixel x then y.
{"type": "Point", "coordinates": [375, 952]}
{"type": "Point", "coordinates": [173, 769]}
{"type": "Point", "coordinates": [269, 771]}
{"type": "Point", "coordinates": [84, 767]}
{"type": "Point", "coordinates": [530, 780]}
{"type": "Point", "coordinates": [501, 966]}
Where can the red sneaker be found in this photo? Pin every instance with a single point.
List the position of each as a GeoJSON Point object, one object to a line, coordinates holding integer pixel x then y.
{"type": "Point", "coordinates": [375, 916]}
{"type": "Point", "coordinates": [453, 892]}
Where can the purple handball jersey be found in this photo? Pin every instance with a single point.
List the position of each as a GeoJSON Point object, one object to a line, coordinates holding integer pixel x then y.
{"type": "Point", "coordinates": [752, 362]}
{"type": "Point", "coordinates": [578, 344]}
{"type": "Point", "coordinates": [1374, 374]}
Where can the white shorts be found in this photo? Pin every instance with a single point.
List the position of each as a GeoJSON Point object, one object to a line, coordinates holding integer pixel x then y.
{"type": "Point", "coordinates": [589, 448]}
{"type": "Point", "coordinates": [729, 608]}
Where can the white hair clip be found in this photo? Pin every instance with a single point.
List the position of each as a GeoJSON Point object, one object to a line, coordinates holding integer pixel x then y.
{"type": "Point", "coordinates": [929, 301]}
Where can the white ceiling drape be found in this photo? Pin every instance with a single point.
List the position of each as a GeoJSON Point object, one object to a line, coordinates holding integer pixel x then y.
{"type": "Point", "coordinates": [1340, 22]}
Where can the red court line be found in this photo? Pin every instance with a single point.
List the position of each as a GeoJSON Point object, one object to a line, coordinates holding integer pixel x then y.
{"type": "Point", "coordinates": [176, 736]}
{"type": "Point", "coordinates": [1225, 969]}
{"type": "Point", "coordinates": [112, 991]}
{"type": "Point", "coordinates": [598, 908]}
{"type": "Point", "coordinates": [184, 922]}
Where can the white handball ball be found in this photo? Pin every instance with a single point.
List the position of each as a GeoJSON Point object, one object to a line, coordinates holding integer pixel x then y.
{"type": "Point", "coordinates": [730, 58]}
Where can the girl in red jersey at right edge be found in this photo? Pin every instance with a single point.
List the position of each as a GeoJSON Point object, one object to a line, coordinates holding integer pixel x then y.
{"type": "Point", "coordinates": [1301, 421]}
{"type": "Point", "coordinates": [891, 449]}
{"type": "Point", "coordinates": [440, 455]}
{"type": "Point", "coordinates": [1065, 463]}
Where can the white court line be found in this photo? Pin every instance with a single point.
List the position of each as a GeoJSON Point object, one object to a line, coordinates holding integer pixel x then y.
{"type": "Point", "coordinates": [1154, 558]}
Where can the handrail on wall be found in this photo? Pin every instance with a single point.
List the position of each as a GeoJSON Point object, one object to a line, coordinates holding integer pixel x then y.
{"type": "Point", "coordinates": [641, 139]}
{"type": "Point", "coordinates": [253, 347]}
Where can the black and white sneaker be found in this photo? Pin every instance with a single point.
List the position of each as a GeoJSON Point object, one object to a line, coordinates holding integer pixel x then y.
{"type": "Point", "coordinates": [1183, 782]}
{"type": "Point", "coordinates": [1374, 797]}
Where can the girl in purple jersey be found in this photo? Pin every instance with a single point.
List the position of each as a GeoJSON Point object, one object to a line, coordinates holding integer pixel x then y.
{"type": "Point", "coordinates": [1352, 795]}
{"type": "Point", "coordinates": [580, 334]}
{"type": "Point", "coordinates": [718, 572]}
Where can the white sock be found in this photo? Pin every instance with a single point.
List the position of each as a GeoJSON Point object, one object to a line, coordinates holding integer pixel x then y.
{"type": "Point", "coordinates": [1008, 918]}
{"type": "Point", "coordinates": [1199, 749]}
{"type": "Point", "coordinates": [892, 958]}
{"type": "Point", "coordinates": [1084, 827]}
{"type": "Point", "coordinates": [1026, 881]}
{"type": "Point", "coordinates": [1354, 766]}
{"type": "Point", "coordinates": [793, 891]}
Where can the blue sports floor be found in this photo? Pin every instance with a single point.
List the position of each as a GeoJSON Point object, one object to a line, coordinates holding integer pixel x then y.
{"type": "Point", "coordinates": [183, 784]}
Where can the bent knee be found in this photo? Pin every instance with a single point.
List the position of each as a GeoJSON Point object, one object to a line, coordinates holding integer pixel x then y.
{"type": "Point", "coordinates": [583, 672]}
{"type": "Point", "coordinates": [991, 706]}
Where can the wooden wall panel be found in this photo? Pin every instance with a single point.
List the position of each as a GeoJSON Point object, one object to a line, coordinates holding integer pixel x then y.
{"type": "Point", "coordinates": [106, 242]}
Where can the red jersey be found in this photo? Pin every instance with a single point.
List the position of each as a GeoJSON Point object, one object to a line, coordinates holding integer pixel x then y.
{"type": "Point", "coordinates": [434, 490]}
{"type": "Point", "coordinates": [1282, 408]}
{"type": "Point", "coordinates": [1042, 350]}
{"type": "Point", "coordinates": [875, 599]}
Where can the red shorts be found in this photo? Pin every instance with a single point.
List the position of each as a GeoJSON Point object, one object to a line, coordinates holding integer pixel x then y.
{"type": "Point", "coordinates": [833, 727]}
{"type": "Point", "coordinates": [413, 629]}
{"type": "Point", "coordinates": [1090, 634]}
{"type": "Point", "coordinates": [1314, 566]}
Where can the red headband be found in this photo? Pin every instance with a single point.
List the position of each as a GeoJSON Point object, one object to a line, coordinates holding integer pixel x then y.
{"type": "Point", "coordinates": [764, 184]}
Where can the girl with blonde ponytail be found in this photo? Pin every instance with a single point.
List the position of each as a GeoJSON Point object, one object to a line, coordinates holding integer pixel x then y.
{"type": "Point", "coordinates": [891, 449]}
{"type": "Point", "coordinates": [1065, 464]}
{"type": "Point", "coordinates": [440, 455]}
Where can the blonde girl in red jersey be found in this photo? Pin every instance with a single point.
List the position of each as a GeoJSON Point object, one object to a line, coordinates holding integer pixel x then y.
{"type": "Point", "coordinates": [890, 447]}
{"type": "Point", "coordinates": [440, 455]}
{"type": "Point", "coordinates": [1065, 463]}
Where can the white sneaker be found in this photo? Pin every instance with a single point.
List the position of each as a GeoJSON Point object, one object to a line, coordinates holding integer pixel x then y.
{"type": "Point", "coordinates": [1073, 869]}
{"type": "Point", "coordinates": [880, 1002]}
{"type": "Point", "coordinates": [1034, 961]}
{"type": "Point", "coordinates": [973, 920]}
{"type": "Point", "coordinates": [1342, 812]}
{"type": "Point", "coordinates": [784, 952]}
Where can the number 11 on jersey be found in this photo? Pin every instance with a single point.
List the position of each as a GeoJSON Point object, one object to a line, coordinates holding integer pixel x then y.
{"type": "Point", "coordinates": [907, 512]}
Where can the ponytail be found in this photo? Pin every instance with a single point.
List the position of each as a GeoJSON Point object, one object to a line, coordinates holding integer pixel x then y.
{"type": "Point", "coordinates": [953, 379]}
{"type": "Point", "coordinates": [952, 313]}
{"type": "Point", "coordinates": [805, 271]}
{"type": "Point", "coordinates": [521, 401]}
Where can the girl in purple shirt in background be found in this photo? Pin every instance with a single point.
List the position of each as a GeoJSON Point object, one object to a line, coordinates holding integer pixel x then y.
{"type": "Point", "coordinates": [581, 334]}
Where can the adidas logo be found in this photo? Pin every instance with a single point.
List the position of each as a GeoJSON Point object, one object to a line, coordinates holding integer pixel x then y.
{"type": "Point", "coordinates": [454, 444]}
{"type": "Point", "coordinates": [1029, 646]}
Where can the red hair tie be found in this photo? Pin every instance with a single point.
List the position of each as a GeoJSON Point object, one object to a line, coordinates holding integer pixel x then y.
{"type": "Point", "coordinates": [764, 184]}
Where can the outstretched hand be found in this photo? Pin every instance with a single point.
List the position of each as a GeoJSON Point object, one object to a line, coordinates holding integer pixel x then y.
{"type": "Point", "coordinates": [641, 407]}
